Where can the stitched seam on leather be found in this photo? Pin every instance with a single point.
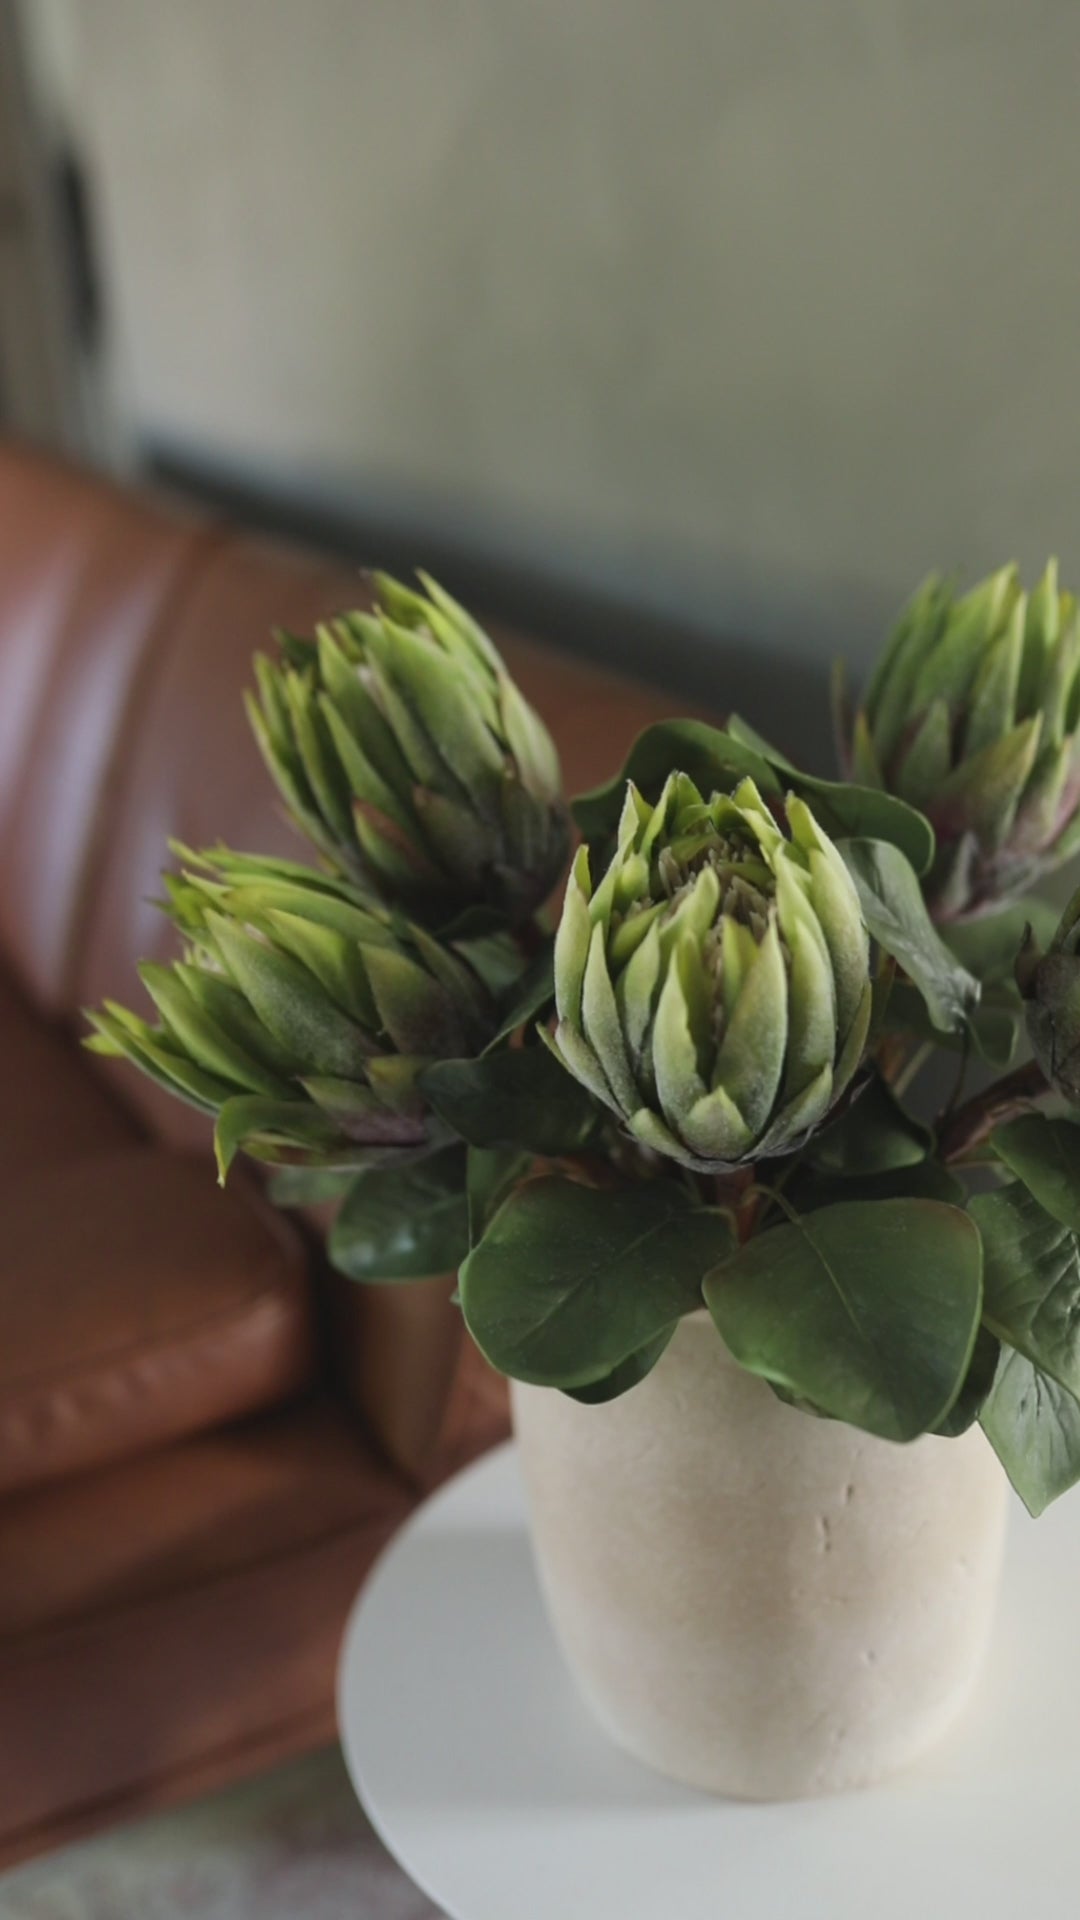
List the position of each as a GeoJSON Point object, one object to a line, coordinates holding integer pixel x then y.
{"type": "Point", "coordinates": [197, 551]}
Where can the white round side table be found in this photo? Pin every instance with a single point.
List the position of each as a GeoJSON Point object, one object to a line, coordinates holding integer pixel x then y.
{"type": "Point", "coordinates": [489, 1783]}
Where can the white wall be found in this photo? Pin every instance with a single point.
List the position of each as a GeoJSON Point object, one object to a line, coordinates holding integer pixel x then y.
{"type": "Point", "coordinates": [760, 309]}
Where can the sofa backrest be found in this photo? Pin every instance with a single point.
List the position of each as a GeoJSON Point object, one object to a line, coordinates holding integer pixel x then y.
{"type": "Point", "coordinates": [89, 576]}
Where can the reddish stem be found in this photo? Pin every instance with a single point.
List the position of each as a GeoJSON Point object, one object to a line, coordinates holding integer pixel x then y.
{"type": "Point", "coordinates": [973, 1123]}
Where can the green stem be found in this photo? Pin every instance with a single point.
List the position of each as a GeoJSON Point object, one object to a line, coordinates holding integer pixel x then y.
{"type": "Point", "coordinates": [912, 1068]}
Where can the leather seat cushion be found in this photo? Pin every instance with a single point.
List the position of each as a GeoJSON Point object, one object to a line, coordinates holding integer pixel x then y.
{"type": "Point", "coordinates": [172, 1615]}
{"type": "Point", "coordinates": [56, 1106]}
{"type": "Point", "coordinates": [139, 1303]}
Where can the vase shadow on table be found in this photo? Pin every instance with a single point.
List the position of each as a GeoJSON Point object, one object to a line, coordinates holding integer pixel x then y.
{"type": "Point", "coordinates": [522, 1735]}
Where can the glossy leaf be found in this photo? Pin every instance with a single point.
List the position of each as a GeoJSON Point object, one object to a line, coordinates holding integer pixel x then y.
{"type": "Point", "coordinates": [533, 994]}
{"type": "Point", "coordinates": [869, 1310]}
{"type": "Point", "coordinates": [1033, 1425]}
{"type": "Point", "coordinates": [847, 811]}
{"type": "Point", "coordinates": [988, 946]}
{"type": "Point", "coordinates": [992, 1027]}
{"type": "Point", "coordinates": [309, 1186]}
{"type": "Point", "coordinates": [809, 1190]}
{"type": "Point", "coordinates": [972, 1397]}
{"type": "Point", "coordinates": [629, 1374]}
{"type": "Point", "coordinates": [520, 1098]}
{"type": "Point", "coordinates": [570, 1281]}
{"type": "Point", "coordinates": [714, 761]}
{"type": "Point", "coordinates": [404, 1223]}
{"type": "Point", "coordinates": [895, 912]}
{"type": "Point", "coordinates": [1045, 1155]}
{"type": "Point", "coordinates": [1032, 1281]}
{"type": "Point", "coordinates": [874, 1135]}
{"type": "Point", "coordinates": [491, 1175]}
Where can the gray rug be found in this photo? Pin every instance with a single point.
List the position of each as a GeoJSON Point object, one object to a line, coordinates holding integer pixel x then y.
{"type": "Point", "coordinates": [293, 1846]}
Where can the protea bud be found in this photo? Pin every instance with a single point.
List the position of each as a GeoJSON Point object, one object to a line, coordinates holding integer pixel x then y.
{"type": "Point", "coordinates": [714, 988]}
{"type": "Point", "coordinates": [972, 716]}
{"type": "Point", "coordinates": [406, 753]}
{"type": "Point", "coordinates": [300, 1015]}
{"type": "Point", "coordinates": [1050, 984]}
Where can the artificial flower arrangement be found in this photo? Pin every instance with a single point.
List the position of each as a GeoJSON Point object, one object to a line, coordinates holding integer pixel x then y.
{"type": "Point", "coordinates": [701, 1088]}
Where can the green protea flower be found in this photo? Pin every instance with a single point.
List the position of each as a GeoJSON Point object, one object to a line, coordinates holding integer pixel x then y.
{"type": "Point", "coordinates": [714, 988]}
{"type": "Point", "coordinates": [1050, 985]}
{"type": "Point", "coordinates": [406, 753]}
{"type": "Point", "coordinates": [300, 1015]}
{"type": "Point", "coordinates": [972, 716]}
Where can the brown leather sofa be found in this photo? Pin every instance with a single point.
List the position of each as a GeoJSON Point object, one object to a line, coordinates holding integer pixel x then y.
{"type": "Point", "coordinates": [205, 1438]}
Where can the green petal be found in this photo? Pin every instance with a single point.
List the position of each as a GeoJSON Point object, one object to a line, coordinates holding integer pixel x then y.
{"type": "Point", "coordinates": [694, 915]}
{"type": "Point", "coordinates": [812, 1041]}
{"type": "Point", "coordinates": [334, 961]}
{"type": "Point", "coordinates": [750, 1063]}
{"type": "Point", "coordinates": [974, 621]}
{"type": "Point", "coordinates": [918, 773]}
{"type": "Point", "coordinates": [651, 1131]}
{"type": "Point", "coordinates": [799, 1116]}
{"type": "Point", "coordinates": [208, 1045]}
{"type": "Point", "coordinates": [602, 1027]}
{"type": "Point", "coordinates": [853, 1043]}
{"type": "Point", "coordinates": [992, 708]}
{"type": "Point", "coordinates": [983, 794]}
{"type": "Point", "coordinates": [290, 1002]}
{"type": "Point", "coordinates": [573, 1050]}
{"type": "Point", "coordinates": [636, 992]}
{"type": "Point", "coordinates": [738, 954]}
{"type": "Point", "coordinates": [419, 1015]}
{"type": "Point", "coordinates": [890, 702]}
{"type": "Point", "coordinates": [321, 764]}
{"type": "Point", "coordinates": [530, 744]}
{"type": "Point", "coordinates": [363, 778]}
{"type": "Point", "coordinates": [679, 1084]}
{"type": "Point", "coordinates": [835, 901]}
{"type": "Point", "coordinates": [572, 941]}
{"type": "Point", "coordinates": [443, 699]}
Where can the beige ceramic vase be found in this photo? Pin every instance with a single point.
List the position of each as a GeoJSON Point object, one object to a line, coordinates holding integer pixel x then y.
{"type": "Point", "coordinates": [753, 1600]}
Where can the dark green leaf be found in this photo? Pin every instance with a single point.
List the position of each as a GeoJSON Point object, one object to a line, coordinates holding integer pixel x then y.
{"type": "Point", "coordinates": [1032, 1281]}
{"type": "Point", "coordinates": [809, 1191]}
{"type": "Point", "coordinates": [874, 1135]}
{"type": "Point", "coordinates": [846, 811]}
{"type": "Point", "coordinates": [568, 1282]}
{"type": "Point", "coordinates": [472, 923]}
{"type": "Point", "coordinates": [992, 1028]}
{"type": "Point", "coordinates": [868, 1309]}
{"type": "Point", "coordinates": [988, 946]}
{"type": "Point", "coordinates": [629, 1374]}
{"type": "Point", "coordinates": [1033, 1425]}
{"type": "Point", "coordinates": [404, 1223]}
{"type": "Point", "coordinates": [309, 1186]}
{"type": "Point", "coordinates": [713, 759]}
{"type": "Point", "coordinates": [522, 1098]}
{"type": "Point", "coordinates": [1045, 1155]}
{"type": "Point", "coordinates": [895, 912]}
{"type": "Point", "coordinates": [492, 1174]}
{"type": "Point", "coordinates": [533, 993]}
{"type": "Point", "coordinates": [971, 1399]}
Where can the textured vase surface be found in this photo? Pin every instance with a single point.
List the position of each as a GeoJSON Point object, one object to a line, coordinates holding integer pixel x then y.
{"type": "Point", "coordinates": [752, 1600]}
